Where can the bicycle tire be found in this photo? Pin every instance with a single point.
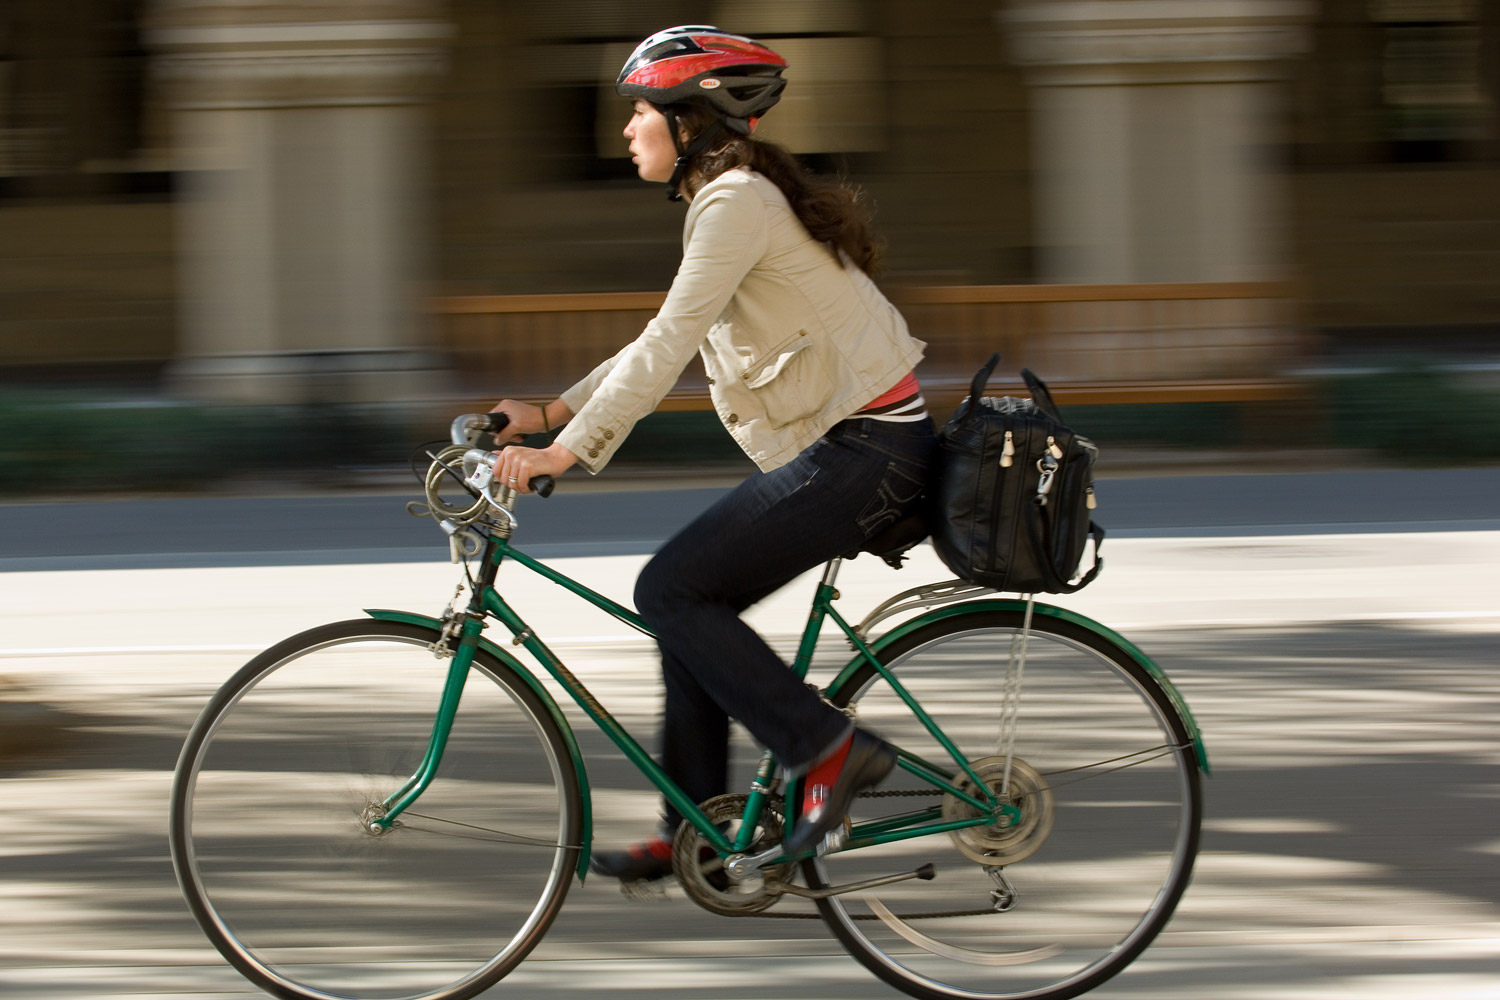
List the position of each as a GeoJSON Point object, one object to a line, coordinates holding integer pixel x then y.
{"type": "Point", "coordinates": [270, 836]}
{"type": "Point", "coordinates": [1109, 789]}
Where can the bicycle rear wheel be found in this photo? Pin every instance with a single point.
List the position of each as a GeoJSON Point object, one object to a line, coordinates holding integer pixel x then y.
{"type": "Point", "coordinates": [274, 789]}
{"type": "Point", "coordinates": [1104, 773]}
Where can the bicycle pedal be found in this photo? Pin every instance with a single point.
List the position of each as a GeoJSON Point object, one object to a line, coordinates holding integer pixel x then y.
{"type": "Point", "coordinates": [833, 840]}
{"type": "Point", "coordinates": [643, 891]}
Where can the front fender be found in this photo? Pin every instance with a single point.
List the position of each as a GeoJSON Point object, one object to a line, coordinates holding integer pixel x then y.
{"type": "Point", "coordinates": [520, 670]}
{"type": "Point", "coordinates": [1045, 611]}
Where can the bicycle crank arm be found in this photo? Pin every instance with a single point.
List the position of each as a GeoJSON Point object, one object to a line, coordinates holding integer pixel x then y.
{"type": "Point", "coordinates": [745, 866]}
{"type": "Point", "coordinates": [925, 873]}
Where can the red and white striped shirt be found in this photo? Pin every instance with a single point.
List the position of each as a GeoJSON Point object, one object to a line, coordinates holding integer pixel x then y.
{"type": "Point", "coordinates": [902, 403]}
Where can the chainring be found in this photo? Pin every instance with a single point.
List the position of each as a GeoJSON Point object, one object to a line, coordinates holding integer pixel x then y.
{"type": "Point", "coordinates": [701, 871]}
{"type": "Point", "coordinates": [996, 844]}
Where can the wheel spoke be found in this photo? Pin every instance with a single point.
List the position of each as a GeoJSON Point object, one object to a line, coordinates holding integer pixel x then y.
{"type": "Point", "coordinates": [496, 836]}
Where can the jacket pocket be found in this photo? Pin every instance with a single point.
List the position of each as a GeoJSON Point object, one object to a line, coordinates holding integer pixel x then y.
{"type": "Point", "coordinates": [791, 380]}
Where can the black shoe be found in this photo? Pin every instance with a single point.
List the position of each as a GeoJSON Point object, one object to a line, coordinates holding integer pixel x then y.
{"type": "Point", "coordinates": [830, 788]}
{"type": "Point", "coordinates": [644, 862]}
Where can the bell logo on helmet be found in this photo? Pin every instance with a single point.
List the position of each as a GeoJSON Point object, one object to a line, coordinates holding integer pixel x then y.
{"type": "Point", "coordinates": [709, 83]}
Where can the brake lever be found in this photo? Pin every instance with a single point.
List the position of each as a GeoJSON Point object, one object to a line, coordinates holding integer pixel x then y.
{"type": "Point", "coordinates": [467, 427]}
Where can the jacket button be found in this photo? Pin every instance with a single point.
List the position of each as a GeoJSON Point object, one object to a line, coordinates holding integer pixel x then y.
{"type": "Point", "coordinates": [711, 382]}
{"type": "Point", "coordinates": [733, 418]}
{"type": "Point", "coordinates": [609, 435]}
{"type": "Point", "coordinates": [593, 453]}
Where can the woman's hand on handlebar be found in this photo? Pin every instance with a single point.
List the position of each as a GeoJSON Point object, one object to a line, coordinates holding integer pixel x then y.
{"type": "Point", "coordinates": [517, 467]}
{"type": "Point", "coordinates": [525, 418]}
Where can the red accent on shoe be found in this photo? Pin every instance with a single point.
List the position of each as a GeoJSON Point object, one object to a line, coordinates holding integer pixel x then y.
{"type": "Point", "coordinates": [658, 848]}
{"type": "Point", "coordinates": [831, 787]}
{"type": "Point", "coordinates": [646, 861]}
{"type": "Point", "coordinates": [820, 780]}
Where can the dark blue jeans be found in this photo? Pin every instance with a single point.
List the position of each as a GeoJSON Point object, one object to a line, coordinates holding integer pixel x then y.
{"type": "Point", "coordinates": [853, 482]}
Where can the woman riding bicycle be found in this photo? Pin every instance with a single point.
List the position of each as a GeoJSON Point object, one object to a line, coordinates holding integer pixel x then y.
{"type": "Point", "coordinates": [810, 370]}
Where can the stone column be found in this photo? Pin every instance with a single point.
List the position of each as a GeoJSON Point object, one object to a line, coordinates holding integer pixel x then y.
{"type": "Point", "coordinates": [304, 229]}
{"type": "Point", "coordinates": [1155, 127]}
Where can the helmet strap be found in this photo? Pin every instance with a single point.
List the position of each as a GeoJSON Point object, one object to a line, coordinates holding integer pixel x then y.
{"type": "Point", "coordinates": [685, 156]}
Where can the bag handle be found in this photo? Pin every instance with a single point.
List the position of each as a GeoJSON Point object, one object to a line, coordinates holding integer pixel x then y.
{"type": "Point", "coordinates": [1040, 395]}
{"type": "Point", "coordinates": [976, 387]}
{"type": "Point", "coordinates": [1055, 583]}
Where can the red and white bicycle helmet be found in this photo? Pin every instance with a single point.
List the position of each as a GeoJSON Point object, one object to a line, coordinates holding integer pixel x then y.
{"type": "Point", "coordinates": [737, 77]}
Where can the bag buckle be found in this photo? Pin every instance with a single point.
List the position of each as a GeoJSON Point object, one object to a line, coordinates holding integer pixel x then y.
{"type": "Point", "coordinates": [1047, 466]}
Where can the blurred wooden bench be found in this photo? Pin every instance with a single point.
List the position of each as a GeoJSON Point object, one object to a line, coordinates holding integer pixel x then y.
{"type": "Point", "coordinates": [1093, 344]}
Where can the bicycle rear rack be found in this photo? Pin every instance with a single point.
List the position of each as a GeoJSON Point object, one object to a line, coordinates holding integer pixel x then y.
{"type": "Point", "coordinates": [929, 595]}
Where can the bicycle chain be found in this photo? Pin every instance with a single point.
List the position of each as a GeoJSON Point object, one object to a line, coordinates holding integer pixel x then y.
{"type": "Point", "coordinates": [899, 793]}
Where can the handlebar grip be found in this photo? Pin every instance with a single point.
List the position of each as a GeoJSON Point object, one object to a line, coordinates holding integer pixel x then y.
{"type": "Point", "coordinates": [542, 486]}
{"type": "Point", "coordinates": [494, 423]}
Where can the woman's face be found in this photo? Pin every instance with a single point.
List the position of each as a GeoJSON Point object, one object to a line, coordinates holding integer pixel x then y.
{"type": "Point", "coordinates": [651, 148]}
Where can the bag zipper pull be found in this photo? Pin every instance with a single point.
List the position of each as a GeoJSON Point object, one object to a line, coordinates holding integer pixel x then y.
{"type": "Point", "coordinates": [1052, 447]}
{"type": "Point", "coordinates": [1089, 500]}
{"type": "Point", "coordinates": [1008, 452]}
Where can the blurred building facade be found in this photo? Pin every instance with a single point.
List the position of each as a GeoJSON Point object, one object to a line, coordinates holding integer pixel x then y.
{"type": "Point", "coordinates": [199, 189]}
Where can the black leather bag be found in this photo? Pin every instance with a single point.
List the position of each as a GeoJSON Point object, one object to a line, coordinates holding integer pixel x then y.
{"type": "Point", "coordinates": [1011, 493]}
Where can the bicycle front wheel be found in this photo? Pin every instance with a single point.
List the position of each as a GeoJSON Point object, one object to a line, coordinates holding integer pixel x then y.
{"type": "Point", "coordinates": [1103, 772]}
{"type": "Point", "coordinates": [283, 771]}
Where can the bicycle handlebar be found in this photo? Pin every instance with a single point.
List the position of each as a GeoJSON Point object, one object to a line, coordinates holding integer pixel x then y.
{"type": "Point", "coordinates": [467, 428]}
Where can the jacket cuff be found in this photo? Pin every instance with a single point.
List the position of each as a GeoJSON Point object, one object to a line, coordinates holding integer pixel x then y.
{"type": "Point", "coordinates": [593, 437]}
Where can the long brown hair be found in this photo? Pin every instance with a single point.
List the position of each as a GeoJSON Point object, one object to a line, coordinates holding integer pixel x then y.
{"type": "Point", "coordinates": [832, 211]}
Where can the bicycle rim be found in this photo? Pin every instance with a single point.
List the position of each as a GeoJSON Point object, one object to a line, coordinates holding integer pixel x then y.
{"type": "Point", "coordinates": [1104, 775]}
{"type": "Point", "coordinates": [270, 810]}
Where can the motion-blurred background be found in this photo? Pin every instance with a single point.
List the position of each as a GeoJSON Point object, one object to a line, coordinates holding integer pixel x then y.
{"type": "Point", "coordinates": [257, 248]}
{"type": "Point", "coordinates": [231, 230]}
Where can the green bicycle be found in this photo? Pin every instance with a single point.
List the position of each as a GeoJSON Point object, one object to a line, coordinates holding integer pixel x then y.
{"type": "Point", "coordinates": [395, 807]}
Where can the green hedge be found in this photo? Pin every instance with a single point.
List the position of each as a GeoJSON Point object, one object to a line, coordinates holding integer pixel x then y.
{"type": "Point", "coordinates": [60, 440]}
{"type": "Point", "coordinates": [1418, 414]}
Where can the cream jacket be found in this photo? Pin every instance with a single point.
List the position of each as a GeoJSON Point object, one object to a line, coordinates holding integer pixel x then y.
{"type": "Point", "coordinates": [793, 338]}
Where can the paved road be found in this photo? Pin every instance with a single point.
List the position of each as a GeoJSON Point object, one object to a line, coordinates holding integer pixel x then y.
{"type": "Point", "coordinates": [1345, 678]}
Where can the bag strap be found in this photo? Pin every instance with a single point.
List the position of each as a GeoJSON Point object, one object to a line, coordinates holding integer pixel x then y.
{"type": "Point", "coordinates": [1041, 395]}
{"type": "Point", "coordinates": [976, 387]}
{"type": "Point", "coordinates": [1055, 584]}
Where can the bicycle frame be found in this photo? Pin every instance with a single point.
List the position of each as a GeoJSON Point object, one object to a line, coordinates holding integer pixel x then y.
{"type": "Point", "coordinates": [486, 602]}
